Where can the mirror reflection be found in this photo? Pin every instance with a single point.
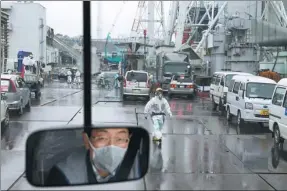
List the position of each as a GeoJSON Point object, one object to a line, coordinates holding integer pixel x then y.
{"type": "Point", "coordinates": [94, 156]}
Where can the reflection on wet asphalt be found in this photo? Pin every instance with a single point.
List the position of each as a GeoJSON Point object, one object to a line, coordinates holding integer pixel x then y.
{"type": "Point", "coordinates": [200, 150]}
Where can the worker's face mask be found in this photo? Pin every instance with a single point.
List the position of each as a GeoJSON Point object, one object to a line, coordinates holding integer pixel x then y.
{"type": "Point", "coordinates": [108, 158]}
{"type": "Point", "coordinates": [159, 95]}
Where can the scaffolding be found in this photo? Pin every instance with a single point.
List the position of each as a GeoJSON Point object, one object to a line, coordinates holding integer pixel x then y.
{"type": "Point", "coordinates": [4, 39]}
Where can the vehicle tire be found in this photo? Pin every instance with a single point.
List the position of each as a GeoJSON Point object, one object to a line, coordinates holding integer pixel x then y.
{"type": "Point", "coordinates": [240, 121]}
{"type": "Point", "coordinates": [124, 98]}
{"type": "Point", "coordinates": [28, 105]}
{"type": "Point", "coordinates": [221, 108]}
{"type": "Point", "coordinates": [21, 110]}
{"type": "Point", "coordinates": [228, 114]}
{"type": "Point", "coordinates": [170, 96]}
{"type": "Point", "coordinates": [277, 135]}
{"type": "Point", "coordinates": [36, 95]}
{"type": "Point", "coordinates": [191, 96]}
{"type": "Point", "coordinates": [6, 121]}
{"type": "Point", "coordinates": [214, 105]}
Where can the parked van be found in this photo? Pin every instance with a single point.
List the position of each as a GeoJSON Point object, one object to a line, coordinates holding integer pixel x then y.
{"type": "Point", "coordinates": [249, 98]}
{"type": "Point", "coordinates": [278, 112]}
{"type": "Point", "coordinates": [219, 85]}
{"type": "Point", "coordinates": [137, 84]}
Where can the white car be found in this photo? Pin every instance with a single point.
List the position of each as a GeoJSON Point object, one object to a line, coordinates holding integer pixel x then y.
{"type": "Point", "coordinates": [4, 111]}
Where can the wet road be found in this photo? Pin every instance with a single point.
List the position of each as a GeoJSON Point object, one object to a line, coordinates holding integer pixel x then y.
{"type": "Point", "coordinates": [200, 150]}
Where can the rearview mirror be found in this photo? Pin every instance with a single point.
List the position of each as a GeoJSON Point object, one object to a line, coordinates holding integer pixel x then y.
{"type": "Point", "coordinates": [72, 156]}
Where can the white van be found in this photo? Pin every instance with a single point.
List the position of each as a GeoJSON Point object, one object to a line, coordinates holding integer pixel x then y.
{"type": "Point", "coordinates": [278, 112]}
{"type": "Point", "coordinates": [219, 85]}
{"type": "Point", "coordinates": [249, 98]}
{"type": "Point", "coordinates": [137, 84]}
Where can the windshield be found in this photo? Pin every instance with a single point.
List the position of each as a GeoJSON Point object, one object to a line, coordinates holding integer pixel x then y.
{"type": "Point", "coordinates": [259, 90]}
{"type": "Point", "coordinates": [137, 76]}
{"type": "Point", "coordinates": [175, 68]}
{"type": "Point", "coordinates": [186, 79]}
{"type": "Point", "coordinates": [200, 148]}
{"type": "Point", "coordinates": [228, 78]}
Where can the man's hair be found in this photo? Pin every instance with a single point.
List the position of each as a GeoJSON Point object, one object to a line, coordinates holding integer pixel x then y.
{"type": "Point", "coordinates": [88, 131]}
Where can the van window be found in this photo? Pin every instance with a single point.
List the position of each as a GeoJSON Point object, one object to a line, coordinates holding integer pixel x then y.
{"type": "Point", "coordinates": [236, 87]}
{"type": "Point", "coordinates": [242, 87]}
{"type": "Point", "coordinates": [222, 79]}
{"type": "Point", "coordinates": [137, 76]}
{"type": "Point", "coordinates": [213, 79]}
{"type": "Point", "coordinates": [278, 96]}
{"type": "Point", "coordinates": [217, 80]}
{"type": "Point", "coordinates": [285, 102]}
{"type": "Point", "coordinates": [231, 85]}
{"type": "Point", "coordinates": [228, 79]}
{"type": "Point", "coordinates": [259, 90]}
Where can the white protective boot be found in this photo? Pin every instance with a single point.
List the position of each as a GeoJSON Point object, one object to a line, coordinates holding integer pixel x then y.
{"type": "Point", "coordinates": [157, 134]}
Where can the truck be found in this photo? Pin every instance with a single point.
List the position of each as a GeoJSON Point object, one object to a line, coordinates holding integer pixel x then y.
{"type": "Point", "coordinates": [169, 64]}
{"type": "Point", "coordinates": [30, 70]}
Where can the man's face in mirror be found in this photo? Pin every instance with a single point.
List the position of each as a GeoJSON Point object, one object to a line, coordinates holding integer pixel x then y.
{"type": "Point", "coordinates": [106, 137]}
{"type": "Point", "coordinates": [107, 148]}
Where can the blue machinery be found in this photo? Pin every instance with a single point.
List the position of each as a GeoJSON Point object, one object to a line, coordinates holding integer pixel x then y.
{"type": "Point", "coordinates": [115, 58]}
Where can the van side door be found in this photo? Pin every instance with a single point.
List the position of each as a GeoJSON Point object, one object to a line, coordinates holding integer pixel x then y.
{"type": "Point", "coordinates": [221, 86]}
{"type": "Point", "coordinates": [230, 93]}
{"type": "Point", "coordinates": [283, 128]}
{"type": "Point", "coordinates": [212, 85]}
{"type": "Point", "coordinates": [216, 93]}
{"type": "Point", "coordinates": [242, 98]}
{"type": "Point", "coordinates": [235, 99]}
{"type": "Point", "coordinates": [277, 111]}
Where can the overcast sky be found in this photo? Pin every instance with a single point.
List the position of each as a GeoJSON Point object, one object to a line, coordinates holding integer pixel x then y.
{"type": "Point", "coordinates": [66, 17]}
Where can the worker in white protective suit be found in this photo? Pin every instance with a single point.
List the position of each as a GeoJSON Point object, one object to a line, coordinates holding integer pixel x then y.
{"type": "Point", "coordinates": [157, 107]}
{"type": "Point", "coordinates": [69, 77]}
{"type": "Point", "coordinates": [78, 77]}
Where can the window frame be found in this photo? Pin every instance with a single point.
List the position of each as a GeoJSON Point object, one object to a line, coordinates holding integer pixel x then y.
{"type": "Point", "coordinates": [274, 95]}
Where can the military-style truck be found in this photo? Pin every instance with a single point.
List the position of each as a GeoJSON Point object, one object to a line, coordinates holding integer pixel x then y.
{"type": "Point", "coordinates": [169, 64]}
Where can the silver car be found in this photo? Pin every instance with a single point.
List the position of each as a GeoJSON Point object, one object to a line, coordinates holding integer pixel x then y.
{"type": "Point", "coordinates": [136, 83]}
{"type": "Point", "coordinates": [181, 85]}
{"type": "Point", "coordinates": [17, 92]}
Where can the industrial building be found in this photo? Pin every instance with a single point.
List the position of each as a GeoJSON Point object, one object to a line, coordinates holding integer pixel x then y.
{"type": "Point", "coordinates": [4, 39]}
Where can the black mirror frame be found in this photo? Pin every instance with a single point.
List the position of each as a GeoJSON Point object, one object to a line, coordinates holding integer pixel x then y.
{"type": "Point", "coordinates": [144, 142]}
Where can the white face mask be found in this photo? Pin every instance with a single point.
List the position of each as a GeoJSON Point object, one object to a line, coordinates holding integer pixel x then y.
{"type": "Point", "coordinates": [159, 96]}
{"type": "Point", "coordinates": [108, 158]}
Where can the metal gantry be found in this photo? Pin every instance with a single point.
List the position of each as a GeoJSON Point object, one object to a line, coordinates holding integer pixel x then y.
{"type": "Point", "coordinates": [198, 19]}
{"type": "Point", "coordinates": [150, 17]}
{"type": "Point", "coordinates": [4, 39]}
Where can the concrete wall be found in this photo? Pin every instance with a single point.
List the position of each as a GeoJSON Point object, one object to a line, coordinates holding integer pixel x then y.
{"type": "Point", "coordinates": [25, 34]}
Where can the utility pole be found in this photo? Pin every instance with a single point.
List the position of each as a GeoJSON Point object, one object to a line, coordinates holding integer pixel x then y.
{"type": "Point", "coordinates": [145, 43]}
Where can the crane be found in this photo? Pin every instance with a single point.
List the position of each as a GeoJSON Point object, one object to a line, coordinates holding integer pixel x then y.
{"type": "Point", "coordinates": [118, 57]}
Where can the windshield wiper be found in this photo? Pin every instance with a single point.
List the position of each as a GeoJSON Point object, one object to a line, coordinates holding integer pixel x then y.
{"type": "Point", "coordinates": [260, 97]}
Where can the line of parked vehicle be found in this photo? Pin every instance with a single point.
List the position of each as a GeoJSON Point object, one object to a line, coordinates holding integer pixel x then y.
{"type": "Point", "coordinates": [251, 99]}
{"type": "Point", "coordinates": [16, 94]}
